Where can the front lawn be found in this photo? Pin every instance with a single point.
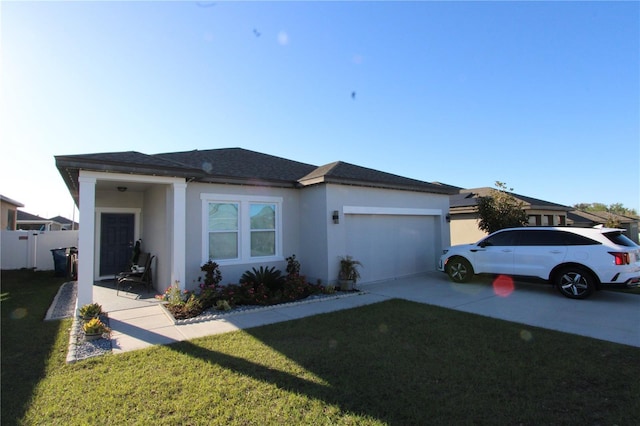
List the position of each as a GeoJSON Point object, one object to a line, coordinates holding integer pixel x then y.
{"type": "Point", "coordinates": [395, 362]}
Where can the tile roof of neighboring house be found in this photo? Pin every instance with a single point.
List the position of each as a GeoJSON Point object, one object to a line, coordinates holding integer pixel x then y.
{"type": "Point", "coordinates": [235, 165]}
{"type": "Point", "coordinates": [10, 201]}
{"type": "Point", "coordinates": [468, 198]}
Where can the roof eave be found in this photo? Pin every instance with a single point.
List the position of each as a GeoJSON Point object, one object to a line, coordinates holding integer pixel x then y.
{"type": "Point", "coordinates": [369, 184]}
{"type": "Point", "coordinates": [228, 180]}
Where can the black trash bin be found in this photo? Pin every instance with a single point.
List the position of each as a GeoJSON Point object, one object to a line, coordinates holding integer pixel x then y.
{"type": "Point", "coordinates": [60, 261]}
{"type": "Point", "coordinates": [64, 261]}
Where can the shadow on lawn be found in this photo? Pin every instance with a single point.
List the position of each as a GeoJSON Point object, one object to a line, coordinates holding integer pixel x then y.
{"type": "Point", "coordinates": [27, 340]}
{"type": "Point", "coordinates": [362, 374]}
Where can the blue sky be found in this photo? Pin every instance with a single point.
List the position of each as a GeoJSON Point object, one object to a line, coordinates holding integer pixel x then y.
{"type": "Point", "coordinates": [542, 96]}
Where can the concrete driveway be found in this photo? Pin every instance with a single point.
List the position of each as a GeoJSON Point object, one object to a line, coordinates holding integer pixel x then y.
{"type": "Point", "coordinates": [606, 315]}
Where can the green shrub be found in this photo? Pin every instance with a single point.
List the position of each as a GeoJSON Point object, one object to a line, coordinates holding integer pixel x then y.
{"type": "Point", "coordinates": [209, 295]}
{"type": "Point", "coordinates": [293, 266]}
{"type": "Point", "coordinates": [212, 274]}
{"type": "Point", "coordinates": [329, 289]}
{"type": "Point", "coordinates": [270, 277]}
{"type": "Point", "coordinates": [223, 305]}
{"type": "Point", "coordinates": [190, 308]}
{"type": "Point", "coordinates": [95, 326]}
{"type": "Point", "coordinates": [91, 310]}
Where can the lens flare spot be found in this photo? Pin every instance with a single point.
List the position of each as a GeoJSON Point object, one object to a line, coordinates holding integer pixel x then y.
{"type": "Point", "coordinates": [503, 286]}
{"type": "Point", "coordinates": [283, 38]}
{"type": "Point", "coordinates": [19, 313]}
{"type": "Point", "coordinates": [207, 167]}
{"type": "Point", "coordinates": [526, 335]}
{"type": "Point", "coordinates": [383, 328]}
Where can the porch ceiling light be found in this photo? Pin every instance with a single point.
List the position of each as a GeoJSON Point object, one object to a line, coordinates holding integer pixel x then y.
{"type": "Point", "coordinates": [122, 188]}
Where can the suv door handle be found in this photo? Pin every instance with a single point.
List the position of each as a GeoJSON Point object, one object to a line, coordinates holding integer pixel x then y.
{"type": "Point", "coordinates": [556, 251]}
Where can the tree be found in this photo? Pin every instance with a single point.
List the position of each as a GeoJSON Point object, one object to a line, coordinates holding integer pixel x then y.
{"type": "Point", "coordinates": [616, 208]}
{"type": "Point", "coordinates": [500, 210]}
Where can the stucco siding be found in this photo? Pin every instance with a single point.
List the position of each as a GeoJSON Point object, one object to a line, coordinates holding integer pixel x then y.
{"type": "Point", "coordinates": [155, 234]}
{"type": "Point", "coordinates": [465, 230]}
{"type": "Point", "coordinates": [316, 222]}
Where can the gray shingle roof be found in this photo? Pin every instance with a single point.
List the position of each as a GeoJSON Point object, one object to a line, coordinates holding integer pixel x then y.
{"type": "Point", "coordinates": [598, 217]}
{"type": "Point", "coordinates": [468, 198]}
{"type": "Point", "coordinates": [236, 165]}
{"type": "Point", "coordinates": [10, 201]}
{"type": "Point", "coordinates": [127, 161]}
{"type": "Point", "coordinates": [346, 173]}
{"type": "Point", "coordinates": [239, 163]}
{"type": "Point", "coordinates": [28, 216]}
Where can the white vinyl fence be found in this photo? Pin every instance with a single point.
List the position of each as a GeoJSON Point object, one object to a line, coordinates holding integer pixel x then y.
{"type": "Point", "coordinates": [32, 249]}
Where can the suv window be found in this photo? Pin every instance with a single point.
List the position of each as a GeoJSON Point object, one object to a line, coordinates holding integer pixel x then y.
{"type": "Point", "coordinates": [579, 240]}
{"type": "Point", "coordinates": [545, 237]}
{"type": "Point", "coordinates": [506, 238]}
{"type": "Point", "coordinates": [620, 239]}
{"type": "Point", "coordinates": [539, 237]}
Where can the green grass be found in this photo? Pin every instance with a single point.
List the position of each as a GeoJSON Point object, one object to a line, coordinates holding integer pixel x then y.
{"type": "Point", "coordinates": [395, 363]}
{"type": "Point", "coordinates": [30, 346]}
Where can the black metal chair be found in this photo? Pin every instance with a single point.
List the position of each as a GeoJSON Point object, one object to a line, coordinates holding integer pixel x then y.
{"type": "Point", "coordinates": [130, 279]}
{"type": "Point", "coordinates": [142, 259]}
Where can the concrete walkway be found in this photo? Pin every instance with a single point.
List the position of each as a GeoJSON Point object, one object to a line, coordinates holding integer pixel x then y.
{"type": "Point", "coordinates": [139, 322]}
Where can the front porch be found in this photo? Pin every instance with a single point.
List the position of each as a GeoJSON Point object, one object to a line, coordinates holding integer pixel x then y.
{"type": "Point", "coordinates": [154, 209]}
{"type": "Point", "coordinates": [111, 300]}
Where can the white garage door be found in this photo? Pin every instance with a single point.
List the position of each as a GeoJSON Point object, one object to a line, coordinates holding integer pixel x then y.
{"type": "Point", "coordinates": [391, 246]}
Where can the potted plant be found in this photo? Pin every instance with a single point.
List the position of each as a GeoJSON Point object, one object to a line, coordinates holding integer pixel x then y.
{"type": "Point", "coordinates": [348, 274]}
{"type": "Point", "coordinates": [94, 329]}
{"type": "Point", "coordinates": [89, 311]}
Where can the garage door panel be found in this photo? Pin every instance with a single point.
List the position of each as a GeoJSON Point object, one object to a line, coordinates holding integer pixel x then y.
{"type": "Point", "coordinates": [391, 246]}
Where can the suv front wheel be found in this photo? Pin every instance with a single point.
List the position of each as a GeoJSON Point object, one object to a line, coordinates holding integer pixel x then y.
{"type": "Point", "coordinates": [459, 270]}
{"type": "Point", "coordinates": [575, 282]}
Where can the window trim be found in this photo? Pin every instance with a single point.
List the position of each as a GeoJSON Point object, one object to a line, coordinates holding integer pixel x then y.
{"type": "Point", "coordinates": [244, 227]}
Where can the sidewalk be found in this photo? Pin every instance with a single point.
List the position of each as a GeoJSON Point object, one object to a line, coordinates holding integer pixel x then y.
{"type": "Point", "coordinates": [141, 327]}
{"type": "Point", "coordinates": [140, 322]}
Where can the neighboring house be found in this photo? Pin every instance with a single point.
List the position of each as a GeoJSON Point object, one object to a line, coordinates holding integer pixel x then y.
{"type": "Point", "coordinates": [67, 224]}
{"type": "Point", "coordinates": [464, 216]}
{"type": "Point", "coordinates": [245, 209]}
{"type": "Point", "coordinates": [590, 219]}
{"type": "Point", "coordinates": [9, 212]}
{"type": "Point", "coordinates": [31, 222]}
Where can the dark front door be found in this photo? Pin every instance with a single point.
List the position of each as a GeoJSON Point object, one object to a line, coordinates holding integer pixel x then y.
{"type": "Point", "coordinates": [116, 242]}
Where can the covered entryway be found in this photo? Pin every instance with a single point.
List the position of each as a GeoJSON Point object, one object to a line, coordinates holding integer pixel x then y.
{"type": "Point", "coordinates": [117, 210]}
{"type": "Point", "coordinates": [392, 245]}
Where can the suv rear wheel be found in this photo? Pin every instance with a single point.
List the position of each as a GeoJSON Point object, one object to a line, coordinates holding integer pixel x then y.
{"type": "Point", "coordinates": [575, 282]}
{"type": "Point", "coordinates": [459, 270]}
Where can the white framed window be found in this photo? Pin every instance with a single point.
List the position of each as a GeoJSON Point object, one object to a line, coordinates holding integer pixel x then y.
{"type": "Point", "coordinates": [240, 229]}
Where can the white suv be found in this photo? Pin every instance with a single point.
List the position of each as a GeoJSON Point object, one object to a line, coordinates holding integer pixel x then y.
{"type": "Point", "coordinates": [576, 260]}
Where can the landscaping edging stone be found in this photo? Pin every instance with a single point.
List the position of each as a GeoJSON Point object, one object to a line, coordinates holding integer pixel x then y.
{"type": "Point", "coordinates": [212, 314]}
